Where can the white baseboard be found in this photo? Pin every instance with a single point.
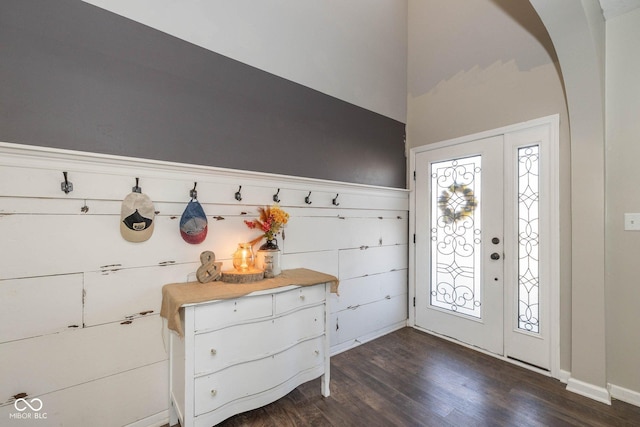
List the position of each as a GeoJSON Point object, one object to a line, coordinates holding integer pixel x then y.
{"type": "Point", "coordinates": [564, 376]}
{"type": "Point", "coordinates": [347, 345]}
{"type": "Point", "coordinates": [156, 420]}
{"type": "Point", "coordinates": [600, 394]}
{"type": "Point", "coordinates": [624, 394]}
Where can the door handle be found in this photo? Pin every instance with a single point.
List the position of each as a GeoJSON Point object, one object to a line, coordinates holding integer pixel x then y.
{"type": "Point", "coordinates": [495, 256]}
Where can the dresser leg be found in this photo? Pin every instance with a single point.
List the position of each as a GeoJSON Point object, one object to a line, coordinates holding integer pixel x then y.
{"type": "Point", "coordinates": [324, 385]}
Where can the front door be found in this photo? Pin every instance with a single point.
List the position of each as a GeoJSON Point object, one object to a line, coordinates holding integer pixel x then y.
{"type": "Point", "coordinates": [482, 251]}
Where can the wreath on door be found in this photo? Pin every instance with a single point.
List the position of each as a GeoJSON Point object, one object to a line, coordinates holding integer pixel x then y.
{"type": "Point", "coordinates": [452, 211]}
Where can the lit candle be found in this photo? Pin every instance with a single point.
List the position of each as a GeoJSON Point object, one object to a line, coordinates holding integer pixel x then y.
{"type": "Point", "coordinates": [243, 257]}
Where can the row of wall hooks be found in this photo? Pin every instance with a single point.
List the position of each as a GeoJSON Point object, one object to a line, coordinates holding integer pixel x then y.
{"type": "Point", "coordinates": [307, 199]}
{"type": "Point", "coordinates": [67, 186]}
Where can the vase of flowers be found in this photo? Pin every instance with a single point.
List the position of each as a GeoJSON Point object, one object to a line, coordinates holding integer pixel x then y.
{"type": "Point", "coordinates": [271, 222]}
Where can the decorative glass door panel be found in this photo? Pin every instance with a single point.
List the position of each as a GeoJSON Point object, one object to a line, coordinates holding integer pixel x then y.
{"type": "Point", "coordinates": [528, 240]}
{"type": "Point", "coordinates": [456, 236]}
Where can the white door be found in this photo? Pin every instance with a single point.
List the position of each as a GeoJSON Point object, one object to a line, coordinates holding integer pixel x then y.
{"type": "Point", "coordinates": [483, 251]}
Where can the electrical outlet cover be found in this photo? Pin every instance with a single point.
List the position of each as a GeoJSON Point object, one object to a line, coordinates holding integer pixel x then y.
{"type": "Point", "coordinates": [632, 221]}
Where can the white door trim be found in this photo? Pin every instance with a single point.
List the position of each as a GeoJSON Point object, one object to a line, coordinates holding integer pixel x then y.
{"type": "Point", "coordinates": [553, 122]}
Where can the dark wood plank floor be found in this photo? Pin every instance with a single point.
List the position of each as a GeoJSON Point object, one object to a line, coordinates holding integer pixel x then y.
{"type": "Point", "coordinates": [409, 378]}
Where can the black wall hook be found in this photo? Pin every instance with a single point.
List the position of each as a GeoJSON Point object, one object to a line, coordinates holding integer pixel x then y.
{"type": "Point", "coordinates": [137, 189]}
{"type": "Point", "coordinates": [307, 199]}
{"type": "Point", "coordinates": [193, 193]}
{"type": "Point", "coordinates": [275, 196]}
{"type": "Point", "coordinates": [335, 200]}
{"type": "Point", "coordinates": [238, 194]}
{"type": "Point", "coordinates": [66, 186]}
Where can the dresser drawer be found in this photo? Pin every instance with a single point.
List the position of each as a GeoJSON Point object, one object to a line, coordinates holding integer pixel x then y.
{"type": "Point", "coordinates": [300, 297]}
{"type": "Point", "coordinates": [246, 379]}
{"type": "Point", "coordinates": [228, 312]}
{"type": "Point", "coordinates": [241, 343]}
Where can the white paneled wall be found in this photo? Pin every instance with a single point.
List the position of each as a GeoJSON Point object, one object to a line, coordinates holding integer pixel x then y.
{"type": "Point", "coordinates": [79, 306]}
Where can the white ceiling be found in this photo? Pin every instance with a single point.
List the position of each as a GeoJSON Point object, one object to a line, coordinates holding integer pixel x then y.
{"type": "Point", "coordinates": [612, 8]}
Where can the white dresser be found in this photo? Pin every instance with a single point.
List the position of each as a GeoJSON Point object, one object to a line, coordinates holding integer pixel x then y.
{"type": "Point", "coordinates": [242, 353]}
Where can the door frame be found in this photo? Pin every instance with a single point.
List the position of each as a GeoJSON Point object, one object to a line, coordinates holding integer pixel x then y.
{"type": "Point", "coordinates": [553, 123]}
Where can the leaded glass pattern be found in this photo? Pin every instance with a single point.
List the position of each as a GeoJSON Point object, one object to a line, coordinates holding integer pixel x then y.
{"type": "Point", "coordinates": [456, 236]}
{"type": "Point", "coordinates": [528, 239]}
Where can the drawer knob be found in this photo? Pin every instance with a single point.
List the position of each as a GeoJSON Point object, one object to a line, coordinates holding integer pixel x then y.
{"type": "Point", "coordinates": [214, 392]}
{"type": "Point", "coordinates": [317, 352]}
{"type": "Point", "coordinates": [214, 352]}
{"type": "Point", "coordinates": [301, 297]}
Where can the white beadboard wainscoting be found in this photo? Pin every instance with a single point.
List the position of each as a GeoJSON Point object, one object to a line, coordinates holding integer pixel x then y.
{"type": "Point", "coordinates": [79, 306]}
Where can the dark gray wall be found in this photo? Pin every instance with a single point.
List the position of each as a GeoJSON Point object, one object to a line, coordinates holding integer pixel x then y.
{"type": "Point", "coordinates": [77, 77]}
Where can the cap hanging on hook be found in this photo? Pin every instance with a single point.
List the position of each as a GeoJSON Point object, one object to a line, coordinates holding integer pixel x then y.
{"type": "Point", "coordinates": [137, 216]}
{"type": "Point", "coordinates": [193, 223]}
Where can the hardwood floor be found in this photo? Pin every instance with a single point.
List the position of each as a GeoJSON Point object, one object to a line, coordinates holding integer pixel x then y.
{"type": "Point", "coordinates": [409, 378]}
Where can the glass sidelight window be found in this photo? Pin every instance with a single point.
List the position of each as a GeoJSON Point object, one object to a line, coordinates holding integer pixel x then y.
{"type": "Point", "coordinates": [528, 238]}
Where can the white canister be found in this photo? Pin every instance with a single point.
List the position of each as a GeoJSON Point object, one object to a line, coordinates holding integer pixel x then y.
{"type": "Point", "coordinates": [269, 261]}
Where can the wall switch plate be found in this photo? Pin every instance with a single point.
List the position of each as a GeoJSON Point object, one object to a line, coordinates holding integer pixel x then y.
{"type": "Point", "coordinates": [632, 222]}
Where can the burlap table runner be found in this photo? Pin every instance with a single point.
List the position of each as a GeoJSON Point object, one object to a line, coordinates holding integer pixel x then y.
{"type": "Point", "coordinates": [175, 295]}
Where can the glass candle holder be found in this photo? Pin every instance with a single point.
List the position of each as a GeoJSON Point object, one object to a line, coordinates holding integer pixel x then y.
{"type": "Point", "coordinates": [243, 258]}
